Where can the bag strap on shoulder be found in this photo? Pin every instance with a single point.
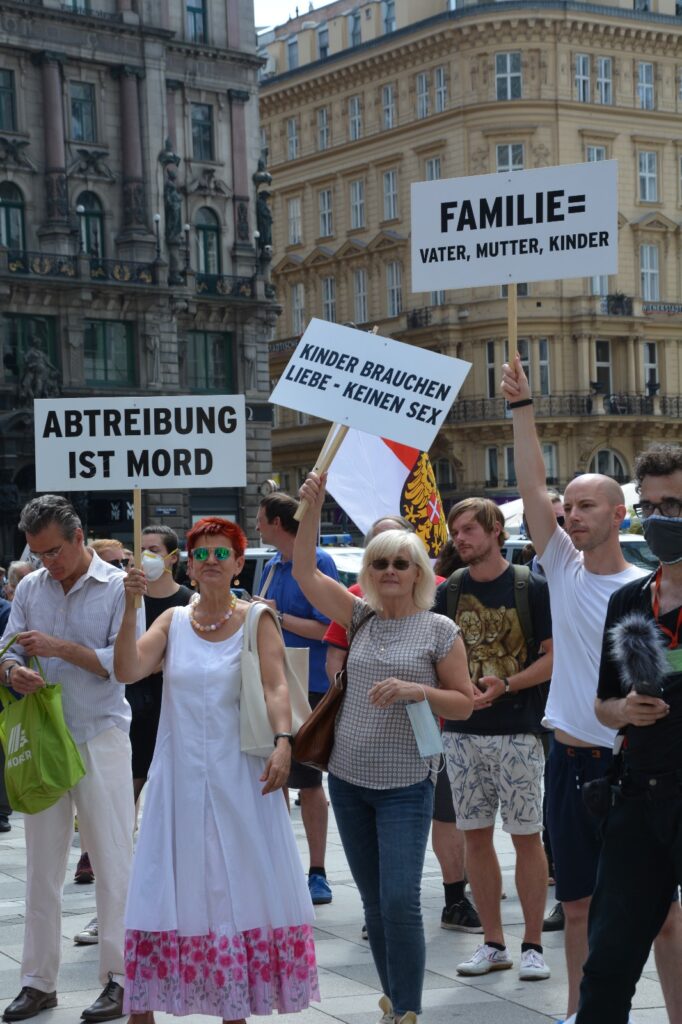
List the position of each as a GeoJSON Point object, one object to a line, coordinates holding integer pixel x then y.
{"type": "Point", "coordinates": [454, 589]}
{"type": "Point", "coordinates": [522, 602]}
{"type": "Point", "coordinates": [256, 609]}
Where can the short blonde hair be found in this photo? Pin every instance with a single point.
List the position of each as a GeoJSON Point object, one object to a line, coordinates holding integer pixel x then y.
{"type": "Point", "coordinates": [102, 545]}
{"type": "Point", "coordinates": [391, 544]}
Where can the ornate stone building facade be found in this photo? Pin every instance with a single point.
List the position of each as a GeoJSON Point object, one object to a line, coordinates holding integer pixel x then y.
{"type": "Point", "coordinates": [130, 260]}
{"type": "Point", "coordinates": [360, 99]}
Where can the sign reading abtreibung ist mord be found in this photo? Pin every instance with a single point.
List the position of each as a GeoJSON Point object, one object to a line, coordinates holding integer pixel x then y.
{"type": "Point", "coordinates": [374, 384]}
{"type": "Point", "coordinates": [539, 225]}
{"type": "Point", "coordinates": [108, 444]}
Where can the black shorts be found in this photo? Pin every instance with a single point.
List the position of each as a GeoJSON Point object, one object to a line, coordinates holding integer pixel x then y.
{"type": "Point", "coordinates": [443, 807]}
{"type": "Point", "coordinates": [143, 729]}
{"type": "Point", "coordinates": [302, 776]}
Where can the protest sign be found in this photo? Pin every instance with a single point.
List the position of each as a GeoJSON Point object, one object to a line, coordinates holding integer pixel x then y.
{"type": "Point", "coordinates": [375, 384]}
{"type": "Point", "coordinates": [537, 225]}
{"type": "Point", "coordinates": [123, 443]}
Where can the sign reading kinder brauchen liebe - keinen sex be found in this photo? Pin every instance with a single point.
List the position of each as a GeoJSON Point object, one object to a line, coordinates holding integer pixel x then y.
{"type": "Point", "coordinates": [539, 225]}
{"type": "Point", "coordinates": [108, 444]}
{"type": "Point", "coordinates": [358, 379]}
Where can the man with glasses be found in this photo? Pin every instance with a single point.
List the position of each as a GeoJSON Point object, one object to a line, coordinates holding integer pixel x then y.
{"type": "Point", "coordinates": [67, 614]}
{"type": "Point", "coordinates": [641, 858]}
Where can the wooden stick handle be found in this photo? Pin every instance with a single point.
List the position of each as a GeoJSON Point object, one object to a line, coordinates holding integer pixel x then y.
{"type": "Point", "coordinates": [137, 533]}
{"type": "Point", "coordinates": [332, 443]}
{"type": "Point", "coordinates": [512, 321]}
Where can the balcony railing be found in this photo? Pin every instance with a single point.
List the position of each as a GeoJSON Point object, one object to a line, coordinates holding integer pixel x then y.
{"type": "Point", "coordinates": [419, 317]}
{"type": "Point", "coordinates": [616, 305]}
{"type": "Point", "coordinates": [225, 286]}
{"type": "Point", "coordinates": [42, 264]}
{"type": "Point", "coordinates": [671, 405]}
{"type": "Point", "coordinates": [123, 271]}
{"type": "Point", "coordinates": [471, 410]}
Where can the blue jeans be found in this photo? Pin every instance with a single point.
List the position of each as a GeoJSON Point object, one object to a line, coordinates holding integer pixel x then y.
{"type": "Point", "coordinates": [384, 834]}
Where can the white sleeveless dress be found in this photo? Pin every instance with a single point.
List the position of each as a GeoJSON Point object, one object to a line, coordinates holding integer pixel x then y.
{"type": "Point", "coordinates": [218, 918]}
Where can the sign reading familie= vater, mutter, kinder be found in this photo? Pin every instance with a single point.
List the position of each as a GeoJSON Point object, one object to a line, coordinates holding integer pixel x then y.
{"type": "Point", "coordinates": [539, 225]}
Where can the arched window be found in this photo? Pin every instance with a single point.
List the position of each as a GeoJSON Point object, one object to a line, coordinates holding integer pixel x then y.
{"type": "Point", "coordinates": [91, 218]}
{"type": "Point", "coordinates": [606, 461]}
{"type": "Point", "coordinates": [208, 242]}
{"type": "Point", "coordinates": [11, 216]}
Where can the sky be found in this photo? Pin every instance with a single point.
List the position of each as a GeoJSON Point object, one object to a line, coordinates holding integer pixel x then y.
{"type": "Point", "coordinates": [276, 12]}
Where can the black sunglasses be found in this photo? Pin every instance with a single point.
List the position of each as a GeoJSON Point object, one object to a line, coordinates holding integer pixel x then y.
{"type": "Point", "coordinates": [381, 564]}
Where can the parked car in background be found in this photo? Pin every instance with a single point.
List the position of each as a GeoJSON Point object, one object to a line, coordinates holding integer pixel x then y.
{"type": "Point", "coordinates": [635, 550]}
{"type": "Point", "coordinates": [347, 559]}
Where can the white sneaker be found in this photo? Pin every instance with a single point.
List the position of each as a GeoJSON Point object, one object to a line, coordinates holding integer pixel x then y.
{"type": "Point", "coordinates": [386, 1007]}
{"type": "Point", "coordinates": [533, 966]}
{"type": "Point", "coordinates": [89, 936]}
{"type": "Point", "coordinates": [486, 959]}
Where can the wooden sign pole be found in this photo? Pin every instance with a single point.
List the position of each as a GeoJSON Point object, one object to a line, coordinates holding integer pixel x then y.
{"type": "Point", "coordinates": [512, 321]}
{"type": "Point", "coordinates": [137, 533]}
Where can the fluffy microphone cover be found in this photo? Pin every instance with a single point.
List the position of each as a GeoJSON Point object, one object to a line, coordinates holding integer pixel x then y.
{"type": "Point", "coordinates": [638, 648]}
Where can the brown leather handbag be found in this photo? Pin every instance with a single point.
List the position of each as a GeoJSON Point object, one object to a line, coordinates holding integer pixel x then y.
{"type": "Point", "coordinates": [315, 738]}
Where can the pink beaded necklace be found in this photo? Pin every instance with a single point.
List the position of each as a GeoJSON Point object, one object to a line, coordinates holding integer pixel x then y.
{"type": "Point", "coordinates": [214, 625]}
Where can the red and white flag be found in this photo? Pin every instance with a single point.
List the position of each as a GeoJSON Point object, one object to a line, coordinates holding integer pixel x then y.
{"type": "Point", "coordinates": [372, 477]}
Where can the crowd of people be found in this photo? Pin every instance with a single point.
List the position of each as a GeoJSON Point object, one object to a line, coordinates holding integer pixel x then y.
{"type": "Point", "coordinates": [547, 694]}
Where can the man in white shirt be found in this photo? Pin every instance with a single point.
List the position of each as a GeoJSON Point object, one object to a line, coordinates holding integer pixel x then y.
{"type": "Point", "coordinates": [584, 565]}
{"type": "Point", "coordinates": [67, 614]}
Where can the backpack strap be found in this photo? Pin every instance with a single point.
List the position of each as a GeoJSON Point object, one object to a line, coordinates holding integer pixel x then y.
{"type": "Point", "coordinates": [453, 590]}
{"type": "Point", "coordinates": [522, 602]}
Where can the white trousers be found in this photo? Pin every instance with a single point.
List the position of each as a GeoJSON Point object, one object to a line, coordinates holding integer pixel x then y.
{"type": "Point", "coordinates": [106, 812]}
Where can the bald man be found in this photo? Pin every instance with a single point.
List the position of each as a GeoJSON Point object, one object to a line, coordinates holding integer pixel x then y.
{"type": "Point", "coordinates": [584, 565]}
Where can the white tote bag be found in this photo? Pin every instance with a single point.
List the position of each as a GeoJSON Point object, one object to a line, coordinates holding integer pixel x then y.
{"type": "Point", "coordinates": [256, 733]}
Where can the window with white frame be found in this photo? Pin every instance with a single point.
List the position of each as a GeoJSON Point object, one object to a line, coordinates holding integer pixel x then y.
{"type": "Point", "coordinates": [645, 85]}
{"type": "Point", "coordinates": [323, 136]}
{"type": "Point", "coordinates": [295, 233]}
{"type": "Point", "coordinates": [648, 268]}
{"type": "Point", "coordinates": [388, 106]}
{"type": "Point", "coordinates": [509, 467]}
{"type": "Point", "coordinates": [582, 77]}
{"type": "Point", "coordinates": [440, 84]}
{"type": "Point", "coordinates": [390, 195]}
{"type": "Point", "coordinates": [297, 295]}
{"type": "Point", "coordinates": [543, 366]}
{"type": "Point", "coordinates": [599, 284]}
{"type": "Point", "coordinates": [650, 353]}
{"type": "Point", "coordinates": [394, 288]}
{"type": "Point", "coordinates": [292, 53]}
{"type": "Point", "coordinates": [603, 365]}
{"type": "Point", "coordinates": [357, 203]}
{"type": "Point", "coordinates": [444, 472]}
{"type": "Point", "coordinates": [388, 15]}
{"type": "Point", "coordinates": [329, 299]}
{"type": "Point", "coordinates": [326, 215]}
{"type": "Point", "coordinates": [523, 348]}
{"type": "Point", "coordinates": [354, 118]}
{"type": "Point", "coordinates": [422, 92]}
{"type": "Point", "coordinates": [604, 91]}
{"type": "Point", "coordinates": [508, 76]}
{"type": "Point", "coordinates": [491, 373]}
{"type": "Point", "coordinates": [509, 156]}
{"type": "Point", "coordinates": [491, 471]}
{"type": "Point", "coordinates": [549, 455]}
{"type": "Point", "coordinates": [648, 176]}
{"type": "Point", "coordinates": [360, 295]}
{"type": "Point", "coordinates": [593, 154]}
{"type": "Point", "coordinates": [355, 28]}
{"type": "Point", "coordinates": [292, 138]}
{"type": "Point", "coordinates": [432, 168]}
{"type": "Point", "coordinates": [323, 42]}
{"type": "Point", "coordinates": [607, 462]}
{"type": "Point", "coordinates": [521, 290]}
{"type": "Point", "coordinates": [437, 298]}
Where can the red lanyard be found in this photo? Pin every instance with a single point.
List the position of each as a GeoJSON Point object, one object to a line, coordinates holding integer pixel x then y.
{"type": "Point", "coordinates": [674, 637]}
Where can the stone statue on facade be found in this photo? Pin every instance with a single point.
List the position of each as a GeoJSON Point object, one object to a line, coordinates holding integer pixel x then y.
{"type": "Point", "coordinates": [172, 201]}
{"type": "Point", "coordinates": [39, 378]}
{"type": "Point", "coordinates": [264, 220]}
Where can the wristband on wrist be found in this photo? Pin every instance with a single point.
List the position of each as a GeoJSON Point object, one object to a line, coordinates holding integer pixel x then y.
{"type": "Point", "coordinates": [507, 685]}
{"type": "Point", "coordinates": [283, 736]}
{"type": "Point", "coordinates": [520, 404]}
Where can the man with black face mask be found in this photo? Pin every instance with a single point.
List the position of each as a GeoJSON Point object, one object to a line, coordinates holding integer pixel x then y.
{"type": "Point", "coordinates": [640, 694]}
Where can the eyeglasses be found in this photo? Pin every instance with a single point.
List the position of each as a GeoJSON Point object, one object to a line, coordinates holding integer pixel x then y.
{"type": "Point", "coordinates": [201, 554]}
{"type": "Point", "coordinates": [381, 564]}
{"type": "Point", "coordinates": [48, 556]}
{"type": "Point", "coordinates": [671, 508]}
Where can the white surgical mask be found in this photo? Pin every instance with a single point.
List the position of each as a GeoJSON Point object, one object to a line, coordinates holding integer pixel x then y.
{"type": "Point", "coordinates": [153, 565]}
{"type": "Point", "coordinates": [426, 731]}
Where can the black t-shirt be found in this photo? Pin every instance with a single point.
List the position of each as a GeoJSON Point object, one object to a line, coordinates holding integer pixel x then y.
{"type": "Point", "coordinates": [496, 646]}
{"type": "Point", "coordinates": [146, 695]}
{"type": "Point", "coordinates": [656, 748]}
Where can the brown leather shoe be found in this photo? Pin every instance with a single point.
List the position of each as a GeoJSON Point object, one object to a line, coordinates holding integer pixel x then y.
{"type": "Point", "coordinates": [28, 1003]}
{"type": "Point", "coordinates": [108, 1005]}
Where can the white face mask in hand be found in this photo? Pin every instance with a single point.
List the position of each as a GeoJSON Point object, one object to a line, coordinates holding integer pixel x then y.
{"type": "Point", "coordinates": [426, 731]}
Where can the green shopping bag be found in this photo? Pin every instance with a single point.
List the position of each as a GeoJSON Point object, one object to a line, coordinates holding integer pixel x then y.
{"type": "Point", "coordinates": [42, 761]}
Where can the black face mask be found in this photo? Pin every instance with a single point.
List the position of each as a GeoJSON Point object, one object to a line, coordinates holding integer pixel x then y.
{"type": "Point", "coordinates": [663, 534]}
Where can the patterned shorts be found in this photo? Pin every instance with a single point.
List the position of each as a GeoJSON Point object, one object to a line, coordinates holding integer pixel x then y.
{"type": "Point", "coordinates": [487, 772]}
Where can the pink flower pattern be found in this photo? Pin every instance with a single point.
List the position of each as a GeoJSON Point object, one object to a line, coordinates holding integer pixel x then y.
{"type": "Point", "coordinates": [265, 969]}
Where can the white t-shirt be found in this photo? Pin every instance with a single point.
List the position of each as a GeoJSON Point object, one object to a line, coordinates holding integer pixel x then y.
{"type": "Point", "coordinates": [579, 600]}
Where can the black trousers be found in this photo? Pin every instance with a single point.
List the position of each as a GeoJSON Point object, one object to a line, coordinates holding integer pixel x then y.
{"type": "Point", "coordinates": [639, 868]}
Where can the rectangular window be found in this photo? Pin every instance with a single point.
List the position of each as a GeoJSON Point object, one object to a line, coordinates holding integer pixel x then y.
{"type": "Point", "coordinates": [323, 42]}
{"type": "Point", "coordinates": [422, 92]}
{"type": "Point", "coordinates": [83, 119]}
{"type": "Point", "coordinates": [432, 168]}
{"type": "Point", "coordinates": [292, 138]}
{"type": "Point", "coordinates": [582, 77]}
{"type": "Point", "coordinates": [355, 28]}
{"type": "Point", "coordinates": [645, 85]}
{"type": "Point", "coordinates": [292, 54]}
{"type": "Point", "coordinates": [599, 285]}
{"type": "Point", "coordinates": [354, 118]}
{"type": "Point", "coordinates": [323, 128]}
{"type": "Point", "coordinates": [390, 195]}
{"type": "Point", "coordinates": [440, 84]}
{"type": "Point", "coordinates": [650, 364]}
{"type": "Point", "coordinates": [648, 263]}
{"type": "Point", "coordinates": [394, 288]}
{"type": "Point", "coordinates": [648, 176]}
{"type": "Point", "coordinates": [202, 131]}
{"type": "Point", "coordinates": [491, 472]}
{"type": "Point", "coordinates": [297, 308]}
{"type": "Point", "coordinates": [549, 456]}
{"type": "Point", "coordinates": [360, 296]}
{"type": "Point", "coordinates": [521, 289]}
{"type": "Point", "coordinates": [491, 374]}
{"type": "Point", "coordinates": [543, 366]}
{"type": "Point", "coordinates": [523, 346]}
{"type": "Point", "coordinates": [388, 106]}
{"type": "Point", "coordinates": [509, 468]}
{"type": "Point", "coordinates": [19, 334]}
{"type": "Point", "coordinates": [8, 109]}
{"type": "Point", "coordinates": [603, 366]}
{"type": "Point", "coordinates": [196, 21]}
{"type": "Point", "coordinates": [508, 76]}
{"type": "Point", "coordinates": [604, 94]}
{"type": "Point", "coordinates": [437, 298]}
{"type": "Point", "coordinates": [326, 219]}
{"type": "Point", "coordinates": [209, 361]}
{"type": "Point", "coordinates": [389, 21]}
{"type": "Point", "coordinates": [509, 156]}
{"type": "Point", "coordinates": [108, 353]}
{"type": "Point", "coordinates": [329, 299]}
{"type": "Point", "coordinates": [593, 154]}
{"type": "Point", "coordinates": [357, 203]}
{"type": "Point", "coordinates": [295, 234]}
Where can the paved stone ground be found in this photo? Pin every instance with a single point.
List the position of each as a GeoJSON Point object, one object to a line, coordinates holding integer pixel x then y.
{"type": "Point", "coordinates": [348, 981]}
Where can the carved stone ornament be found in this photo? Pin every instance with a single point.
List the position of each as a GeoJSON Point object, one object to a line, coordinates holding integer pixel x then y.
{"type": "Point", "coordinates": [12, 152]}
{"type": "Point", "coordinates": [56, 193]}
{"type": "Point", "coordinates": [90, 164]}
{"type": "Point", "coordinates": [206, 183]}
{"type": "Point", "coordinates": [242, 222]}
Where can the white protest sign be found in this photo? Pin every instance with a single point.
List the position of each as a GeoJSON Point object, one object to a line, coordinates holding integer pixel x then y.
{"type": "Point", "coordinates": [539, 225]}
{"type": "Point", "coordinates": [113, 443]}
{"type": "Point", "coordinates": [375, 384]}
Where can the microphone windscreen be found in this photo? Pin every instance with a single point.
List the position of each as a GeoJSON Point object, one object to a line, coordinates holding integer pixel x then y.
{"type": "Point", "coordinates": [638, 648]}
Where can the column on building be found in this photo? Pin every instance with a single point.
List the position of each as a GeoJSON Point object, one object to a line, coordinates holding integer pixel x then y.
{"type": "Point", "coordinates": [233, 33]}
{"type": "Point", "coordinates": [633, 385]}
{"type": "Point", "coordinates": [134, 227]}
{"type": "Point", "coordinates": [240, 172]}
{"type": "Point", "coordinates": [585, 363]}
{"type": "Point", "coordinates": [57, 202]}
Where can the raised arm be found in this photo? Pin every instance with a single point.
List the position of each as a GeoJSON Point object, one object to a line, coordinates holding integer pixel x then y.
{"type": "Point", "coordinates": [327, 595]}
{"type": "Point", "coordinates": [528, 461]}
{"type": "Point", "coordinates": [136, 659]}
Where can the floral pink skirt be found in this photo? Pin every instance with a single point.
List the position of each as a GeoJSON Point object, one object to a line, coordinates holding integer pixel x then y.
{"type": "Point", "coordinates": [228, 975]}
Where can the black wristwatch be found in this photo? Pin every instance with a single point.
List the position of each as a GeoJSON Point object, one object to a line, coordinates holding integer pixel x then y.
{"type": "Point", "coordinates": [283, 735]}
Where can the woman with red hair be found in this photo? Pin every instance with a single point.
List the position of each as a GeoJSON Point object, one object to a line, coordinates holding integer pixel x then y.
{"type": "Point", "coordinates": [219, 914]}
